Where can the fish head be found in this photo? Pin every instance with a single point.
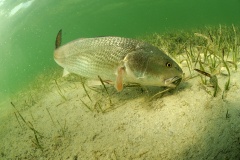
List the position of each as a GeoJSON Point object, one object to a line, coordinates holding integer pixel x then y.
{"type": "Point", "coordinates": [163, 71]}
{"type": "Point", "coordinates": [152, 67]}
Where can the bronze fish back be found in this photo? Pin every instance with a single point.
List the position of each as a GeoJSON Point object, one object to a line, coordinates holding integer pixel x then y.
{"type": "Point", "coordinates": [90, 57]}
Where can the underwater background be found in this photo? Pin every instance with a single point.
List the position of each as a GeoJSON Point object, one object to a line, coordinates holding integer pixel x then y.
{"type": "Point", "coordinates": [46, 116]}
{"type": "Point", "coordinates": [28, 27]}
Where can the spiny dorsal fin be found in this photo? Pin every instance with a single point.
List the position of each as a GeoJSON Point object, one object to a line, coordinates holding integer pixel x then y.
{"type": "Point", "coordinates": [58, 39]}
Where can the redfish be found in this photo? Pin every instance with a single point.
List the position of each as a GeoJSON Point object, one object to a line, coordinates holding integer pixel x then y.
{"type": "Point", "coordinates": [118, 60]}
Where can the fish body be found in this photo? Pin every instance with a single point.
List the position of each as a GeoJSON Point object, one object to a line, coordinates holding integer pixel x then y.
{"type": "Point", "coordinates": [118, 60]}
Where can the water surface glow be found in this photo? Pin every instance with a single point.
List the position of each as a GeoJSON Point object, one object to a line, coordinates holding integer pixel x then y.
{"type": "Point", "coordinates": [19, 7]}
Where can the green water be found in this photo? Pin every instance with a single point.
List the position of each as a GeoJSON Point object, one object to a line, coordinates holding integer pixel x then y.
{"type": "Point", "coordinates": [28, 28]}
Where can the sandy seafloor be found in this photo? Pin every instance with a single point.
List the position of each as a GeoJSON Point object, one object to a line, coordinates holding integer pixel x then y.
{"type": "Point", "coordinates": [186, 123]}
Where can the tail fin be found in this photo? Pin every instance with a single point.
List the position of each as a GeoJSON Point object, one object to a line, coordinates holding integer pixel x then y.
{"type": "Point", "coordinates": [58, 39]}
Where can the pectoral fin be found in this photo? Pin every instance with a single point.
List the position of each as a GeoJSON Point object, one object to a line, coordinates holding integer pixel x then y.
{"type": "Point", "coordinates": [119, 79]}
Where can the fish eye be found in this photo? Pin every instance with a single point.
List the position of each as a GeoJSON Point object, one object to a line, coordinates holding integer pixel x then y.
{"type": "Point", "coordinates": [168, 64]}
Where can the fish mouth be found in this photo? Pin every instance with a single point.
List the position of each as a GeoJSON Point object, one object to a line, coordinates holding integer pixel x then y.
{"type": "Point", "coordinates": [173, 82]}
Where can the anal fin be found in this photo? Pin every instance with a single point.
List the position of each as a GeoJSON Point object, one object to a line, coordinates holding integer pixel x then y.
{"type": "Point", "coordinates": [65, 73]}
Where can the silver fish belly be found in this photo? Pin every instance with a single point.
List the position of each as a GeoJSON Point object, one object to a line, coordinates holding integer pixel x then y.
{"type": "Point", "coordinates": [118, 60]}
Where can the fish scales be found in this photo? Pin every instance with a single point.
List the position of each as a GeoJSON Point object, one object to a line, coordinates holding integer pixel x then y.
{"type": "Point", "coordinates": [118, 60]}
{"type": "Point", "coordinates": [89, 57]}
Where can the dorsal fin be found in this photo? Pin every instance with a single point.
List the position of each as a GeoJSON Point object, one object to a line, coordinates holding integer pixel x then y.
{"type": "Point", "coordinates": [58, 39]}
